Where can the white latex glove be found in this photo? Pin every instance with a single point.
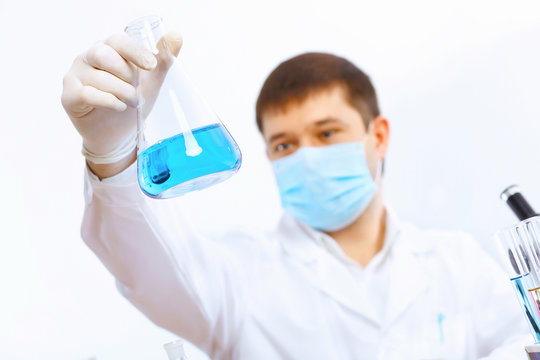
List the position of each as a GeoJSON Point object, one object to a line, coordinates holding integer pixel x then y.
{"type": "Point", "coordinates": [100, 97]}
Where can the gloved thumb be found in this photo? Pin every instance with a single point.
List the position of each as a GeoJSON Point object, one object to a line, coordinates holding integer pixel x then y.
{"type": "Point", "coordinates": [168, 48]}
{"type": "Point", "coordinates": [174, 42]}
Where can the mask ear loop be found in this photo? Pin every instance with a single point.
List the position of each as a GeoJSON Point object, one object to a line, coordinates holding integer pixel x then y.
{"type": "Point", "coordinates": [378, 172]}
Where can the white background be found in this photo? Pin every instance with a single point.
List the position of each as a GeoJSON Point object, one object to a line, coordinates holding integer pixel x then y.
{"type": "Point", "coordinates": [459, 81]}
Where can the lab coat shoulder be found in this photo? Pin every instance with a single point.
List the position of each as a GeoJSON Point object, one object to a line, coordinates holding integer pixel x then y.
{"type": "Point", "coordinates": [426, 240]}
{"type": "Point", "coordinates": [456, 251]}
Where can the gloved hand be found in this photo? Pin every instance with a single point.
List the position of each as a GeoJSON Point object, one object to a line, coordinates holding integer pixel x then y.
{"type": "Point", "coordinates": [100, 96]}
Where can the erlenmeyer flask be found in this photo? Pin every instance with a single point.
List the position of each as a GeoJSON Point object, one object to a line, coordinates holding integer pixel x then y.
{"type": "Point", "coordinates": [182, 145]}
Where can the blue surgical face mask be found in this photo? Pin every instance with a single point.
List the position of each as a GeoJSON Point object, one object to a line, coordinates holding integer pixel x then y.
{"type": "Point", "coordinates": [326, 187]}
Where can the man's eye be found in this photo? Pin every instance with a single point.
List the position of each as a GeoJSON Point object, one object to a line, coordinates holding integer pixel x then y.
{"type": "Point", "coordinates": [327, 133]}
{"type": "Point", "coordinates": [283, 147]}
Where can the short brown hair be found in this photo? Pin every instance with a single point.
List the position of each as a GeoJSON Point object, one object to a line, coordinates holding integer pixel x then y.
{"type": "Point", "coordinates": [297, 78]}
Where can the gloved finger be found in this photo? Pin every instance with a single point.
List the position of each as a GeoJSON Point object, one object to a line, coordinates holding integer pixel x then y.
{"type": "Point", "coordinates": [104, 57]}
{"type": "Point", "coordinates": [79, 100]}
{"type": "Point", "coordinates": [100, 99]}
{"type": "Point", "coordinates": [132, 51]}
{"type": "Point", "coordinates": [72, 100]}
{"type": "Point", "coordinates": [107, 82]}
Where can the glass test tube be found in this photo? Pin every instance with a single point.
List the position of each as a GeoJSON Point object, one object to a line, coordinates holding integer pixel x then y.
{"type": "Point", "coordinates": [519, 246]}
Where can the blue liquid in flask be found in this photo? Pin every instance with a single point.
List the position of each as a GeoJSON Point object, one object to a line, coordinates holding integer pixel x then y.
{"type": "Point", "coordinates": [526, 301]}
{"type": "Point", "coordinates": [165, 170]}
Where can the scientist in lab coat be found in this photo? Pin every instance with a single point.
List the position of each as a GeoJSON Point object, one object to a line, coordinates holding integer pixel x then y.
{"type": "Point", "coordinates": [341, 277]}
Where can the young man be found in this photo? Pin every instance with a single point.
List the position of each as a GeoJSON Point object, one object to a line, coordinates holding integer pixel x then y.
{"type": "Point", "coordinates": [339, 278]}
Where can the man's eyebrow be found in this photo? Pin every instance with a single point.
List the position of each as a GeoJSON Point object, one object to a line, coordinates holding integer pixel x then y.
{"type": "Point", "coordinates": [328, 120]}
{"type": "Point", "coordinates": [325, 121]}
{"type": "Point", "coordinates": [276, 137]}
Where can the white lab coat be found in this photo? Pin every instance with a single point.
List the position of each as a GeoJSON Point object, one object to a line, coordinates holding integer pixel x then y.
{"type": "Point", "coordinates": [291, 294]}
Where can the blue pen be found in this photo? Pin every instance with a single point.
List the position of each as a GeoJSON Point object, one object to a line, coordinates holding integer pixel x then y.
{"type": "Point", "coordinates": [440, 320]}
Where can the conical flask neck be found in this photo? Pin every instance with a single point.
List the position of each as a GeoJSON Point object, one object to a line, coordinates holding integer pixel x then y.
{"type": "Point", "coordinates": [147, 31]}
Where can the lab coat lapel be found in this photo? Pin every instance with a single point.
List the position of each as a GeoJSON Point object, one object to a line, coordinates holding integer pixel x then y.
{"type": "Point", "coordinates": [334, 279]}
{"type": "Point", "coordinates": [407, 278]}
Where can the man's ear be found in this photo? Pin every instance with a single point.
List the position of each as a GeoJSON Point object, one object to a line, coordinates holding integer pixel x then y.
{"type": "Point", "coordinates": [380, 128]}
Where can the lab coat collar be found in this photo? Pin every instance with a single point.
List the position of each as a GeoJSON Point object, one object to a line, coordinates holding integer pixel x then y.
{"type": "Point", "coordinates": [328, 273]}
{"type": "Point", "coordinates": [303, 242]}
{"type": "Point", "coordinates": [299, 242]}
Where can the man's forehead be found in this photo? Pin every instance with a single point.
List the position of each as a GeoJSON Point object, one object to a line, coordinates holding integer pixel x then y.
{"type": "Point", "coordinates": [333, 90]}
{"type": "Point", "coordinates": [321, 105]}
